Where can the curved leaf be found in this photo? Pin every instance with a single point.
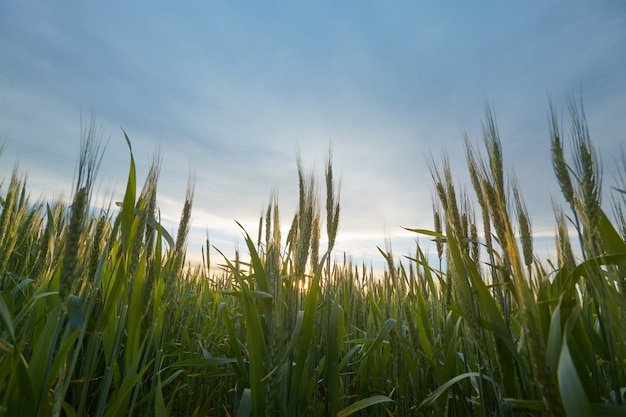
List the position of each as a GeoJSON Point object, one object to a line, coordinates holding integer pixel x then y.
{"type": "Point", "coordinates": [364, 403]}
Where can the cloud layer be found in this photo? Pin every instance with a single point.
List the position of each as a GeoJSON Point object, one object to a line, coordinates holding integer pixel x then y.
{"type": "Point", "coordinates": [232, 92]}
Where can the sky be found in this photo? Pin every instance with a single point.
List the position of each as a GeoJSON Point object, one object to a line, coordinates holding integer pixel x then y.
{"type": "Point", "coordinates": [233, 91]}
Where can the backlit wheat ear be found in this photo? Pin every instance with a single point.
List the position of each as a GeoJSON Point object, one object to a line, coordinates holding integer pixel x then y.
{"type": "Point", "coordinates": [444, 185]}
{"type": "Point", "coordinates": [478, 174]}
{"type": "Point", "coordinates": [184, 225]}
{"type": "Point", "coordinates": [307, 211]}
{"type": "Point", "coordinates": [332, 204]}
{"type": "Point", "coordinates": [275, 261]}
{"type": "Point", "coordinates": [559, 165]}
{"type": "Point", "coordinates": [439, 231]}
{"type": "Point", "coordinates": [9, 202]}
{"type": "Point", "coordinates": [268, 226]}
{"type": "Point", "coordinates": [524, 227]}
{"type": "Point", "coordinates": [494, 149]}
{"type": "Point", "coordinates": [276, 235]}
{"type": "Point", "coordinates": [45, 240]}
{"type": "Point", "coordinates": [441, 193]}
{"type": "Point", "coordinates": [452, 213]}
{"type": "Point", "coordinates": [618, 197]}
{"type": "Point", "coordinates": [292, 234]}
{"type": "Point", "coordinates": [315, 239]}
{"type": "Point", "coordinates": [475, 244]}
{"type": "Point", "coordinates": [493, 181]}
{"type": "Point", "coordinates": [11, 209]}
{"type": "Point", "coordinates": [91, 152]}
{"type": "Point", "coordinates": [497, 217]}
{"type": "Point", "coordinates": [565, 255]}
{"type": "Point", "coordinates": [97, 245]}
{"type": "Point", "coordinates": [588, 172]}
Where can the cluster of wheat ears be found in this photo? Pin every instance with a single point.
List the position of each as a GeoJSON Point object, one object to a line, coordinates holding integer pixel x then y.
{"type": "Point", "coordinates": [101, 315]}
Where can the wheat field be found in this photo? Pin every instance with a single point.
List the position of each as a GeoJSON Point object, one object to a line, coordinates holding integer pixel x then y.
{"type": "Point", "coordinates": [102, 315]}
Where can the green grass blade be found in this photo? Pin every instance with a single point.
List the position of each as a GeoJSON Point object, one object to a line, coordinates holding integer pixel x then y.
{"type": "Point", "coordinates": [245, 404]}
{"type": "Point", "coordinates": [259, 270]}
{"type": "Point", "coordinates": [573, 394]}
{"type": "Point", "coordinates": [382, 335]}
{"type": "Point", "coordinates": [160, 410]}
{"type": "Point", "coordinates": [20, 391]}
{"type": "Point", "coordinates": [5, 315]}
{"type": "Point", "coordinates": [442, 390]}
{"type": "Point", "coordinates": [128, 205]}
{"type": "Point", "coordinates": [363, 404]}
{"type": "Point", "coordinates": [135, 314]}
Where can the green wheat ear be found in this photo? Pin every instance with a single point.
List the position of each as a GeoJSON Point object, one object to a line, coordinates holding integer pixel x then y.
{"type": "Point", "coordinates": [91, 152]}
{"type": "Point", "coordinates": [438, 231]}
{"type": "Point", "coordinates": [333, 192]}
{"type": "Point", "coordinates": [72, 242]}
{"type": "Point", "coordinates": [561, 169]}
{"type": "Point", "coordinates": [183, 227]}
{"type": "Point", "coordinates": [524, 227]}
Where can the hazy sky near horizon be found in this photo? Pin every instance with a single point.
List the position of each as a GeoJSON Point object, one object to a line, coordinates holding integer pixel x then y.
{"type": "Point", "coordinates": [232, 90]}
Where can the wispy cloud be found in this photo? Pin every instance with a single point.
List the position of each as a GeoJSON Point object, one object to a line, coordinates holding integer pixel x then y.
{"type": "Point", "coordinates": [232, 92]}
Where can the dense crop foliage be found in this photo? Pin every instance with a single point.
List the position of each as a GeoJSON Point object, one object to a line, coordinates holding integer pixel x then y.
{"type": "Point", "coordinates": [100, 316]}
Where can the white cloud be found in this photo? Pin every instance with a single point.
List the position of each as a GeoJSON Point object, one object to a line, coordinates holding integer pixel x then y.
{"type": "Point", "coordinates": [231, 92]}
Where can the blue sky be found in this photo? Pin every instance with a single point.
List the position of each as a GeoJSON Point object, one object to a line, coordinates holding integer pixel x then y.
{"type": "Point", "coordinates": [231, 90]}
